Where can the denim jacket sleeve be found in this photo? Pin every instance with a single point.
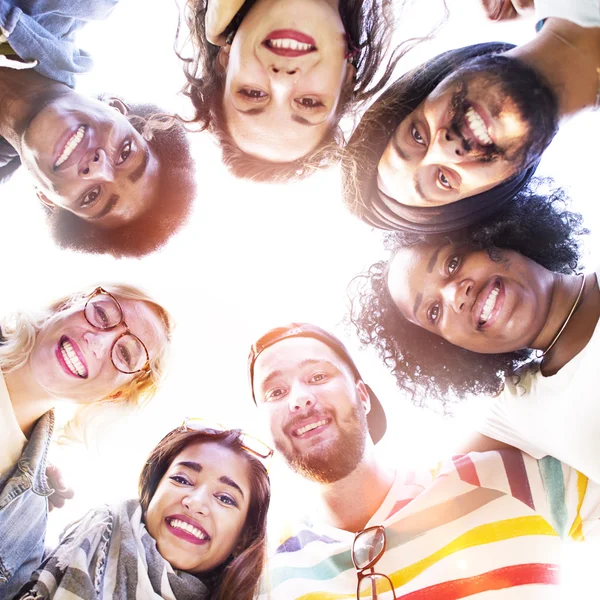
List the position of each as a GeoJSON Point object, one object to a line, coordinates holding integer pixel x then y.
{"type": "Point", "coordinates": [24, 511]}
{"type": "Point", "coordinates": [44, 31]}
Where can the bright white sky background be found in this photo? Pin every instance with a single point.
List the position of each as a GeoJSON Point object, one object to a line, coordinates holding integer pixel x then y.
{"type": "Point", "coordinates": [254, 256]}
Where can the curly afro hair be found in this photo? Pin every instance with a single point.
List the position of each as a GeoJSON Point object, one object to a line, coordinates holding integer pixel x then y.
{"type": "Point", "coordinates": [425, 365]}
{"type": "Point", "coordinates": [170, 210]}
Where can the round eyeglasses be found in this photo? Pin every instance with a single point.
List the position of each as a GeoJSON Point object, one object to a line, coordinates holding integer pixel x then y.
{"type": "Point", "coordinates": [128, 353]}
{"type": "Point", "coordinates": [368, 547]}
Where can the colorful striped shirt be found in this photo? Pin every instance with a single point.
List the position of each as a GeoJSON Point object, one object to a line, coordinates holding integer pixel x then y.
{"type": "Point", "coordinates": [486, 522]}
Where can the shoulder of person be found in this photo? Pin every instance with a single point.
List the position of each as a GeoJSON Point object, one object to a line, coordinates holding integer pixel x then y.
{"type": "Point", "coordinates": [523, 380]}
{"type": "Point", "coordinates": [219, 13]}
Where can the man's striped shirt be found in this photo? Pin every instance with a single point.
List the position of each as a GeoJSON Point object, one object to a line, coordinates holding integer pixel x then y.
{"type": "Point", "coordinates": [486, 522]}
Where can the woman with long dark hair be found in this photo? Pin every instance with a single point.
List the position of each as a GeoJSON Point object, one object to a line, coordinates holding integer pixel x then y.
{"type": "Point", "coordinates": [272, 79]}
{"type": "Point", "coordinates": [371, 154]}
{"type": "Point", "coordinates": [453, 140]}
{"type": "Point", "coordinates": [198, 529]}
{"type": "Point", "coordinates": [499, 309]}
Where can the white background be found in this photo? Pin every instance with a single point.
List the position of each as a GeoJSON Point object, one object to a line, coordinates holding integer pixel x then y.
{"type": "Point", "coordinates": [253, 256]}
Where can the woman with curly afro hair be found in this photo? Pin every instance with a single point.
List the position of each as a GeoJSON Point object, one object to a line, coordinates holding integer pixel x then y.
{"type": "Point", "coordinates": [497, 309]}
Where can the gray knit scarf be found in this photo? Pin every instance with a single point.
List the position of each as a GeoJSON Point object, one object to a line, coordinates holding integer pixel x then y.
{"type": "Point", "coordinates": [109, 555]}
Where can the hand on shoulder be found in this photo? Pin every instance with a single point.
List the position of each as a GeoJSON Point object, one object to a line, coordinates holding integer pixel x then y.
{"type": "Point", "coordinates": [502, 10]}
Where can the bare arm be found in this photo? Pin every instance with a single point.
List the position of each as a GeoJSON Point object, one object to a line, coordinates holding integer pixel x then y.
{"type": "Point", "coordinates": [480, 443]}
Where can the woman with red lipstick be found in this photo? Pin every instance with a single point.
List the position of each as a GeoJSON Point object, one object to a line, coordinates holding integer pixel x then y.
{"type": "Point", "coordinates": [497, 309]}
{"type": "Point", "coordinates": [271, 79]}
{"type": "Point", "coordinates": [198, 528]}
{"type": "Point", "coordinates": [99, 348]}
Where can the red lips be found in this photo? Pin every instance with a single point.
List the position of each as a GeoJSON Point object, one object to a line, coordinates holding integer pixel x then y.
{"type": "Point", "coordinates": [290, 34]}
{"type": "Point", "coordinates": [185, 535]}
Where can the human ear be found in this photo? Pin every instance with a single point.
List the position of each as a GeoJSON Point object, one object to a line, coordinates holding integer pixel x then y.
{"type": "Point", "coordinates": [363, 394]}
{"type": "Point", "coordinates": [223, 58]}
{"type": "Point", "coordinates": [45, 200]}
{"type": "Point", "coordinates": [117, 104]}
{"type": "Point", "coordinates": [350, 76]}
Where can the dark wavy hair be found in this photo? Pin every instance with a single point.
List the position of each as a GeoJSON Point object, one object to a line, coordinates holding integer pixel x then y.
{"type": "Point", "coordinates": [239, 576]}
{"type": "Point", "coordinates": [369, 25]}
{"type": "Point", "coordinates": [174, 197]}
{"type": "Point", "coordinates": [424, 364]}
{"type": "Point", "coordinates": [361, 156]}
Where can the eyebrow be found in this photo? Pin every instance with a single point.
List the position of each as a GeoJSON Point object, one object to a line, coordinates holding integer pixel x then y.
{"type": "Point", "coordinates": [405, 157]}
{"type": "Point", "coordinates": [418, 188]}
{"type": "Point", "coordinates": [304, 363]}
{"type": "Point", "coordinates": [197, 467]}
{"type": "Point", "coordinates": [432, 260]}
{"type": "Point", "coordinates": [418, 301]}
{"type": "Point", "coordinates": [304, 121]}
{"type": "Point", "coordinates": [190, 464]}
{"type": "Point", "coordinates": [230, 482]}
{"type": "Point", "coordinates": [250, 111]}
{"type": "Point", "coordinates": [112, 201]}
{"type": "Point", "coordinates": [259, 111]}
{"type": "Point", "coordinates": [139, 170]}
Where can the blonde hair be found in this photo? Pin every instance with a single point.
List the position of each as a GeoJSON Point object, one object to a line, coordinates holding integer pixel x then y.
{"type": "Point", "coordinates": [20, 332]}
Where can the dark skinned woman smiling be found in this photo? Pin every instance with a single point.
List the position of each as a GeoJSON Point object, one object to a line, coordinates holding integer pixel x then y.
{"type": "Point", "coordinates": [498, 310]}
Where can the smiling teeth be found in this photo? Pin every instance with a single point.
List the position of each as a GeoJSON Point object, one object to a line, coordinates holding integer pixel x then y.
{"type": "Point", "coordinates": [310, 427]}
{"type": "Point", "coordinates": [477, 126]}
{"type": "Point", "coordinates": [289, 44]}
{"type": "Point", "coordinates": [188, 528]}
{"type": "Point", "coordinates": [70, 146]}
{"type": "Point", "coordinates": [72, 360]}
{"type": "Point", "coordinates": [489, 305]}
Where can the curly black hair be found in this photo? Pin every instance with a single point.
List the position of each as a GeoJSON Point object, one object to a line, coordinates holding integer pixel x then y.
{"type": "Point", "coordinates": [169, 212]}
{"type": "Point", "coordinates": [369, 25]}
{"type": "Point", "coordinates": [425, 365]}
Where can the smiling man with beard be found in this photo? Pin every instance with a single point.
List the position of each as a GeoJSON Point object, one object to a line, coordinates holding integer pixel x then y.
{"type": "Point", "coordinates": [110, 178]}
{"type": "Point", "coordinates": [480, 523]}
{"type": "Point", "coordinates": [455, 139]}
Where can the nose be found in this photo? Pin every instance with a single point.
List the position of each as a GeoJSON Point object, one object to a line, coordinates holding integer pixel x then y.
{"type": "Point", "coordinates": [96, 166]}
{"type": "Point", "coordinates": [99, 343]}
{"type": "Point", "coordinates": [283, 70]}
{"type": "Point", "coordinates": [197, 500]}
{"type": "Point", "coordinates": [446, 147]}
{"type": "Point", "coordinates": [300, 398]}
{"type": "Point", "coordinates": [458, 294]}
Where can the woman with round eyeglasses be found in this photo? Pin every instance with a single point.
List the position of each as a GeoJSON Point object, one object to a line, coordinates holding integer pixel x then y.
{"type": "Point", "coordinates": [498, 311]}
{"type": "Point", "coordinates": [197, 531]}
{"type": "Point", "coordinates": [107, 346]}
{"type": "Point", "coordinates": [272, 78]}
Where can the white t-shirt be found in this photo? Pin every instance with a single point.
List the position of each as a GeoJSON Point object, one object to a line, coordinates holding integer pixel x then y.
{"type": "Point", "coordinates": [585, 13]}
{"type": "Point", "coordinates": [557, 415]}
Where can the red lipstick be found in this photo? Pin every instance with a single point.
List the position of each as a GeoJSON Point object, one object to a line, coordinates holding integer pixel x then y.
{"type": "Point", "coordinates": [186, 535]}
{"type": "Point", "coordinates": [295, 37]}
